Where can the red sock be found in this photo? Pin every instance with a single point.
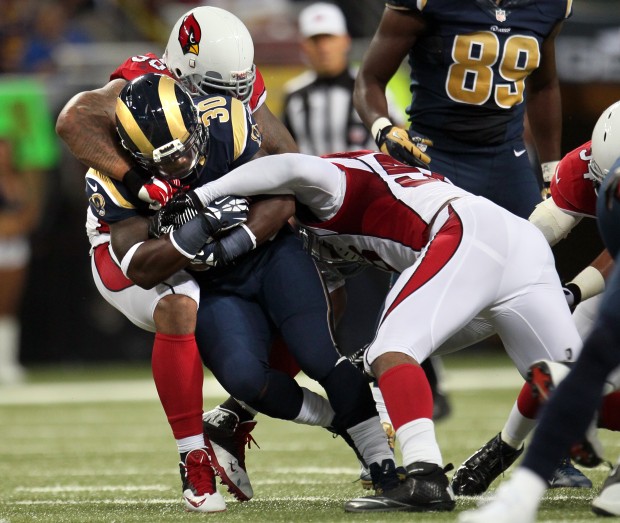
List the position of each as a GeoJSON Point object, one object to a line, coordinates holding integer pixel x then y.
{"type": "Point", "coordinates": [178, 375]}
{"type": "Point", "coordinates": [406, 393]}
{"type": "Point", "coordinates": [609, 416]}
{"type": "Point", "coordinates": [527, 404]}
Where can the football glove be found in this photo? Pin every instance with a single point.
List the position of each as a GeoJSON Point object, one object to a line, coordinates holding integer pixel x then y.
{"type": "Point", "coordinates": [396, 142]}
{"type": "Point", "coordinates": [612, 189]}
{"type": "Point", "coordinates": [225, 213]}
{"type": "Point", "coordinates": [177, 212]}
{"type": "Point", "coordinates": [154, 191]}
{"type": "Point", "coordinates": [548, 171]}
{"type": "Point", "coordinates": [225, 250]}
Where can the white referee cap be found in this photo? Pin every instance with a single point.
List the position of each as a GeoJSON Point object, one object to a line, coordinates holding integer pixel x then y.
{"type": "Point", "coordinates": [322, 19]}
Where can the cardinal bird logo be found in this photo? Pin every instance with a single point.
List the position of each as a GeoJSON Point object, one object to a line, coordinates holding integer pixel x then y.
{"type": "Point", "coordinates": [189, 35]}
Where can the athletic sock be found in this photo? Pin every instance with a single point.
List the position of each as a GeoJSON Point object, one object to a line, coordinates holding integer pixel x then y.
{"type": "Point", "coordinates": [178, 376]}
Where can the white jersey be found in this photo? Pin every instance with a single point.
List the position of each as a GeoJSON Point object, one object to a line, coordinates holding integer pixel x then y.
{"type": "Point", "coordinates": [388, 211]}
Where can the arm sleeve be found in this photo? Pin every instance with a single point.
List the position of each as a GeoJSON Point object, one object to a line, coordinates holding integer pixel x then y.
{"type": "Point", "coordinates": [313, 181]}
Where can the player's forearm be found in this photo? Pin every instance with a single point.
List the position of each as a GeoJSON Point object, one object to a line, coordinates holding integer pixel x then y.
{"type": "Point", "coordinates": [86, 124]}
{"type": "Point", "coordinates": [268, 216]}
{"type": "Point", "coordinates": [544, 111]}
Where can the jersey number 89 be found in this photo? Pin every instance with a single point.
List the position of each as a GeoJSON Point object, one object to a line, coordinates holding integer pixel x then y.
{"type": "Point", "coordinates": [470, 78]}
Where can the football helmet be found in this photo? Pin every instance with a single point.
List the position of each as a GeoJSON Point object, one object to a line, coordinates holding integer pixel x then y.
{"type": "Point", "coordinates": [159, 125]}
{"type": "Point", "coordinates": [605, 142]}
{"type": "Point", "coordinates": [211, 51]}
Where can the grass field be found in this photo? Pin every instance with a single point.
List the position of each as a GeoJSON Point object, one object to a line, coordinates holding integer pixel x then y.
{"type": "Point", "coordinates": [92, 445]}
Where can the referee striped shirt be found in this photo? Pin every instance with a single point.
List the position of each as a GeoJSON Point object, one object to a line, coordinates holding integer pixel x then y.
{"type": "Point", "coordinates": [319, 113]}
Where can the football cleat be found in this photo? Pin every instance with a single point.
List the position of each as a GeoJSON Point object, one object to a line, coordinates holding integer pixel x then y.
{"type": "Point", "coordinates": [475, 475]}
{"type": "Point", "coordinates": [607, 503]}
{"type": "Point", "coordinates": [426, 488]}
{"type": "Point", "coordinates": [227, 438]}
{"type": "Point", "coordinates": [567, 476]}
{"type": "Point", "coordinates": [199, 491]}
{"type": "Point", "coordinates": [588, 452]}
{"type": "Point", "coordinates": [544, 376]}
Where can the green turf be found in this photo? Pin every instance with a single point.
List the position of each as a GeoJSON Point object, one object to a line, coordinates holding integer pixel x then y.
{"type": "Point", "coordinates": [116, 461]}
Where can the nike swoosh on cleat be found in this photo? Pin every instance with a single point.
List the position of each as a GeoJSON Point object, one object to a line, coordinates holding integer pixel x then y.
{"type": "Point", "coordinates": [519, 153]}
{"type": "Point", "coordinates": [94, 187]}
{"type": "Point", "coordinates": [195, 503]}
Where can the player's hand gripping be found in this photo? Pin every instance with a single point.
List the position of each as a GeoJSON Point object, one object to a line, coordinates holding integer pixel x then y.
{"type": "Point", "coordinates": [396, 142]}
{"type": "Point", "coordinates": [225, 213]}
{"type": "Point", "coordinates": [154, 191]}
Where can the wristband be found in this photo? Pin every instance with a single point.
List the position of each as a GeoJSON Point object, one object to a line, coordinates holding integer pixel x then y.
{"type": "Point", "coordinates": [190, 238]}
{"type": "Point", "coordinates": [548, 170]}
{"type": "Point", "coordinates": [379, 125]}
{"type": "Point", "coordinates": [590, 282]}
{"type": "Point", "coordinates": [237, 243]}
{"type": "Point", "coordinates": [134, 181]}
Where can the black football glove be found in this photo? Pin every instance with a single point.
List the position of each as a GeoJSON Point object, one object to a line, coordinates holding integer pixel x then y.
{"type": "Point", "coordinates": [396, 142]}
{"type": "Point", "coordinates": [177, 212]}
{"type": "Point", "coordinates": [225, 213]}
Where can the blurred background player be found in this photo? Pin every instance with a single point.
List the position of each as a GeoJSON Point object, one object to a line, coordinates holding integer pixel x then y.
{"type": "Point", "coordinates": [568, 413]}
{"type": "Point", "coordinates": [468, 69]}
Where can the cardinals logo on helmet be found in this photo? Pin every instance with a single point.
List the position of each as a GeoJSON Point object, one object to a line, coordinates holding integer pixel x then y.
{"type": "Point", "coordinates": [189, 35]}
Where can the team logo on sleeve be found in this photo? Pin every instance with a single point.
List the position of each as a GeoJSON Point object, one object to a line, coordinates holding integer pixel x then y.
{"type": "Point", "coordinates": [98, 203]}
{"type": "Point", "coordinates": [190, 35]}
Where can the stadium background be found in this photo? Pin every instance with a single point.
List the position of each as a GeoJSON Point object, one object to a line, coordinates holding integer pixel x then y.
{"type": "Point", "coordinates": [63, 317]}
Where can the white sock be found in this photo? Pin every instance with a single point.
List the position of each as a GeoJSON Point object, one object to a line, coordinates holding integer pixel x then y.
{"type": "Point", "coordinates": [315, 410]}
{"type": "Point", "coordinates": [191, 443]}
{"type": "Point", "coordinates": [370, 441]}
{"type": "Point", "coordinates": [380, 403]}
{"type": "Point", "coordinates": [517, 428]}
{"type": "Point", "coordinates": [418, 443]}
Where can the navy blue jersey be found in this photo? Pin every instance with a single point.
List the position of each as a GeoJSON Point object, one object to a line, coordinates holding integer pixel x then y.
{"type": "Point", "coordinates": [468, 71]}
{"type": "Point", "coordinates": [233, 140]}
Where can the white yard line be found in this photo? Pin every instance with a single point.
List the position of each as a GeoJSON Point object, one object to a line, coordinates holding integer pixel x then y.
{"type": "Point", "coordinates": [144, 390]}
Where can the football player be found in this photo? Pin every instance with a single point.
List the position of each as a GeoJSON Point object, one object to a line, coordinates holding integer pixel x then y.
{"type": "Point", "coordinates": [142, 276]}
{"type": "Point", "coordinates": [211, 51]}
{"type": "Point", "coordinates": [241, 306]}
{"type": "Point", "coordinates": [573, 196]}
{"type": "Point", "coordinates": [566, 416]}
{"type": "Point", "coordinates": [412, 221]}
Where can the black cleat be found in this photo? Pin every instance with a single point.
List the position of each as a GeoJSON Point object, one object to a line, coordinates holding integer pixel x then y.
{"type": "Point", "coordinates": [426, 488]}
{"type": "Point", "coordinates": [475, 475]}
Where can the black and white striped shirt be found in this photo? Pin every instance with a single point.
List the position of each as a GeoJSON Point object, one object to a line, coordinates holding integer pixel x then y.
{"type": "Point", "coordinates": [319, 113]}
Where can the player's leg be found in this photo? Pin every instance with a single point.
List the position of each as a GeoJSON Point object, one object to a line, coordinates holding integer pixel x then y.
{"type": "Point", "coordinates": [305, 327]}
{"type": "Point", "coordinates": [169, 310]}
{"type": "Point", "coordinates": [529, 331]}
